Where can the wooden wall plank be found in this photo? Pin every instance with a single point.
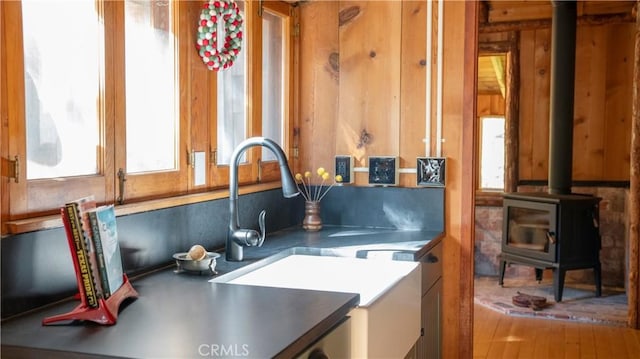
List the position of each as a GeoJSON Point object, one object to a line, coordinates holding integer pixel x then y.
{"type": "Point", "coordinates": [319, 75]}
{"type": "Point", "coordinates": [588, 128]}
{"type": "Point", "coordinates": [490, 105]}
{"type": "Point", "coordinates": [412, 81]}
{"type": "Point", "coordinates": [513, 11]}
{"type": "Point", "coordinates": [484, 105]}
{"type": "Point", "coordinates": [605, 7]}
{"type": "Point", "coordinates": [602, 103]}
{"type": "Point", "coordinates": [527, 101]}
{"type": "Point", "coordinates": [618, 98]}
{"type": "Point", "coordinates": [458, 245]}
{"type": "Point", "coordinates": [519, 10]}
{"type": "Point", "coordinates": [541, 77]}
{"type": "Point", "coordinates": [369, 105]}
{"type": "Point", "coordinates": [468, 161]}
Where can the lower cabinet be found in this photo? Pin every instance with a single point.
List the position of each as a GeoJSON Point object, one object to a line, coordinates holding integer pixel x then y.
{"type": "Point", "coordinates": [432, 322]}
{"type": "Point", "coordinates": [429, 346]}
{"type": "Point", "coordinates": [335, 344]}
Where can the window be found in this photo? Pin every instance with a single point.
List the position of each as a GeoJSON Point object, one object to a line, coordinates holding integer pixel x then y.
{"type": "Point", "coordinates": [269, 84]}
{"type": "Point", "coordinates": [150, 130]}
{"type": "Point", "coordinates": [115, 89]}
{"type": "Point", "coordinates": [277, 60]}
{"type": "Point", "coordinates": [492, 153]}
{"type": "Point", "coordinates": [273, 81]}
{"type": "Point", "coordinates": [497, 122]}
{"type": "Point", "coordinates": [55, 72]}
{"type": "Point", "coordinates": [150, 87]}
{"type": "Point", "coordinates": [232, 112]}
{"type": "Point", "coordinates": [62, 81]}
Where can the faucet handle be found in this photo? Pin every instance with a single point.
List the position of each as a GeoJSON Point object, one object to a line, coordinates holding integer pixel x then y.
{"type": "Point", "coordinates": [263, 231]}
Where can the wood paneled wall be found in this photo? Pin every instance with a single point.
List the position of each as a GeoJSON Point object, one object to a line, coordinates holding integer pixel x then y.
{"type": "Point", "coordinates": [362, 92]}
{"type": "Point", "coordinates": [369, 95]}
{"type": "Point", "coordinates": [361, 74]}
{"type": "Point", "coordinates": [602, 111]}
{"type": "Point", "coordinates": [317, 122]}
{"type": "Point", "coordinates": [362, 83]}
{"type": "Point", "coordinates": [490, 105]}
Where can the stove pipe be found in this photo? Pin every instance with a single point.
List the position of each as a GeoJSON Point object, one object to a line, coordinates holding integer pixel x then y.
{"type": "Point", "coordinates": [563, 58]}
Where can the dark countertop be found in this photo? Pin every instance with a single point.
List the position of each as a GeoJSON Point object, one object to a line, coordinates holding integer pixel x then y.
{"type": "Point", "coordinates": [182, 315]}
{"type": "Point", "coordinates": [347, 241]}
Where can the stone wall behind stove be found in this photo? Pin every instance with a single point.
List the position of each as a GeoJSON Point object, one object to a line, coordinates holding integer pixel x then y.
{"type": "Point", "coordinates": [614, 231]}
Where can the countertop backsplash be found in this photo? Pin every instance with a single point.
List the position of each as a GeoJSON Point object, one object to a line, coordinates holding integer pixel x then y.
{"type": "Point", "coordinates": [37, 267]}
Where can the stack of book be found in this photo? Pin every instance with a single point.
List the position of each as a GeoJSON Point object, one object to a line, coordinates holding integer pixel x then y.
{"type": "Point", "coordinates": [93, 240]}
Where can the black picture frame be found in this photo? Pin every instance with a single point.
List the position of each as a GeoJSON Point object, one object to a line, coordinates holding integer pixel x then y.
{"type": "Point", "coordinates": [431, 171]}
{"type": "Point", "coordinates": [383, 171]}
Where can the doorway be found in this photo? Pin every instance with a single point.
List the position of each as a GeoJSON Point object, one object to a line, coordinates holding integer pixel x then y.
{"type": "Point", "coordinates": [488, 226]}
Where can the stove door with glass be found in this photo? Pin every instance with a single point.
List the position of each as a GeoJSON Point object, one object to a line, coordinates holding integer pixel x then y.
{"type": "Point", "coordinates": [529, 229]}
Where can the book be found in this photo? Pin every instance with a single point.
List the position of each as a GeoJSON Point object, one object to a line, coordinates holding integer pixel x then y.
{"type": "Point", "coordinates": [79, 254]}
{"type": "Point", "coordinates": [86, 204]}
{"type": "Point", "coordinates": [107, 247]}
{"type": "Point", "coordinates": [99, 253]}
{"type": "Point", "coordinates": [64, 212]}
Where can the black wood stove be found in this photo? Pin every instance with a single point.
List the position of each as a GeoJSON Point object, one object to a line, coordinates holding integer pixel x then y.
{"type": "Point", "coordinates": [558, 229]}
{"type": "Point", "coordinates": [547, 231]}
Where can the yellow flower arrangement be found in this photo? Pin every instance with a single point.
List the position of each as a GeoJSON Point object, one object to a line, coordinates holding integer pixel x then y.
{"type": "Point", "coordinates": [316, 194]}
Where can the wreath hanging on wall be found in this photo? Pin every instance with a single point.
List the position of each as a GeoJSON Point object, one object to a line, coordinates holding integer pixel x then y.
{"type": "Point", "coordinates": [209, 34]}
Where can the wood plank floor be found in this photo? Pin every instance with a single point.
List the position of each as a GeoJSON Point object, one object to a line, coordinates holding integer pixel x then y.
{"type": "Point", "coordinates": [497, 335]}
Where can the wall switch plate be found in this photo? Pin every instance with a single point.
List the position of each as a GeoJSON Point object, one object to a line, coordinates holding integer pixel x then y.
{"type": "Point", "coordinates": [383, 170]}
{"type": "Point", "coordinates": [199, 169]}
{"type": "Point", "coordinates": [431, 171]}
{"type": "Point", "coordinates": [344, 168]}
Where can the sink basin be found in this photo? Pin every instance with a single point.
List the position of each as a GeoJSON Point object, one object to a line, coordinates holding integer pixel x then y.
{"type": "Point", "coordinates": [386, 322]}
{"type": "Point", "coordinates": [369, 278]}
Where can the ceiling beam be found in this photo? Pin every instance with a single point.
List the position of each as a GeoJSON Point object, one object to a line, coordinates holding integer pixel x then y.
{"type": "Point", "coordinates": [488, 27]}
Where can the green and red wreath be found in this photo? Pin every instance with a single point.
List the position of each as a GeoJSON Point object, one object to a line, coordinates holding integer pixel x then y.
{"type": "Point", "coordinates": [214, 56]}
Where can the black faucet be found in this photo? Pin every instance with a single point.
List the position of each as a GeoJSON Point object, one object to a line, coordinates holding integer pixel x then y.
{"type": "Point", "coordinates": [237, 238]}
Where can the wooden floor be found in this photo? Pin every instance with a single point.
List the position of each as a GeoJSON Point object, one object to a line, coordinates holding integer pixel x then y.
{"type": "Point", "coordinates": [497, 335]}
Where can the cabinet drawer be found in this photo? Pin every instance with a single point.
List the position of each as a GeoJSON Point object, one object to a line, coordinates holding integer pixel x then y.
{"type": "Point", "coordinates": [431, 267]}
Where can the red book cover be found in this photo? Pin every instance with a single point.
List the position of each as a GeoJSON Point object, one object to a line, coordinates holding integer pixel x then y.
{"type": "Point", "coordinates": [81, 256]}
{"type": "Point", "coordinates": [72, 250]}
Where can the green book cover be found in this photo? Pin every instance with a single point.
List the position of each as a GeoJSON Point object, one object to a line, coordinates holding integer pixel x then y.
{"type": "Point", "coordinates": [108, 230]}
{"type": "Point", "coordinates": [99, 253]}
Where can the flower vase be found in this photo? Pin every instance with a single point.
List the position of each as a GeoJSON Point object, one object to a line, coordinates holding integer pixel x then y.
{"type": "Point", "coordinates": [312, 221]}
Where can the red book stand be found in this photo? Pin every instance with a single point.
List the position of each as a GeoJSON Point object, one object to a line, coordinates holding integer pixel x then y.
{"type": "Point", "coordinates": [105, 313]}
{"type": "Point", "coordinates": [107, 310]}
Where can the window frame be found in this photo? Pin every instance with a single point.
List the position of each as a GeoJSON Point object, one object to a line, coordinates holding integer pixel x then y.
{"type": "Point", "coordinates": [145, 185]}
{"type": "Point", "coordinates": [34, 205]}
{"type": "Point", "coordinates": [270, 170]}
{"type": "Point", "coordinates": [510, 48]}
{"type": "Point", "coordinates": [39, 196]}
{"type": "Point", "coordinates": [254, 170]}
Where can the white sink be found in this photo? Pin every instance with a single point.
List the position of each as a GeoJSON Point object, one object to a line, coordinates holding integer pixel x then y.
{"type": "Point", "coordinates": [387, 321]}
{"type": "Point", "coordinates": [369, 278]}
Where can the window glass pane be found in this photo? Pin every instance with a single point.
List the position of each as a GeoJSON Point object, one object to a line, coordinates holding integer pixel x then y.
{"type": "Point", "coordinates": [272, 80]}
{"type": "Point", "coordinates": [151, 86]}
{"type": "Point", "coordinates": [63, 43]}
{"type": "Point", "coordinates": [232, 89]}
{"type": "Point", "coordinates": [492, 153]}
